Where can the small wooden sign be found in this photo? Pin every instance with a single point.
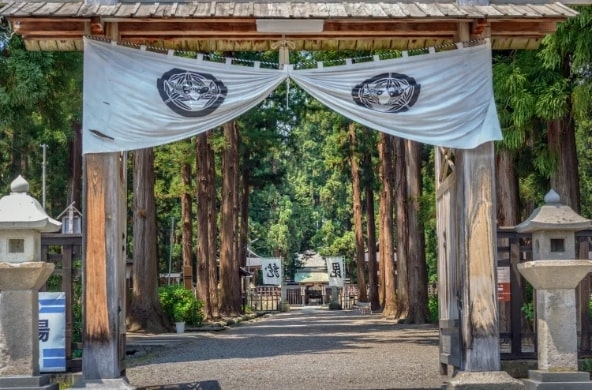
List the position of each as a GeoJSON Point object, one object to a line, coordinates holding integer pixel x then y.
{"type": "Point", "coordinates": [503, 284]}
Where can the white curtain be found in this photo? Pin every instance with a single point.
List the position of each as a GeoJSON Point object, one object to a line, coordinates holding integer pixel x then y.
{"type": "Point", "coordinates": [124, 109]}
{"type": "Point", "coordinates": [444, 98]}
{"type": "Point", "coordinates": [136, 98]}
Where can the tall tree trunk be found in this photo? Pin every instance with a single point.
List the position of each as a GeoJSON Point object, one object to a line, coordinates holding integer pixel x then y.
{"type": "Point", "coordinates": [371, 233]}
{"type": "Point", "coordinates": [358, 220]}
{"type": "Point", "coordinates": [381, 245]}
{"type": "Point", "coordinates": [508, 214]}
{"type": "Point", "coordinates": [245, 188]}
{"type": "Point", "coordinates": [243, 236]}
{"type": "Point", "coordinates": [507, 193]}
{"type": "Point", "coordinates": [145, 312]}
{"type": "Point", "coordinates": [203, 242]}
{"type": "Point", "coordinates": [561, 136]}
{"type": "Point", "coordinates": [230, 298]}
{"type": "Point", "coordinates": [562, 144]}
{"type": "Point", "coordinates": [416, 261]}
{"type": "Point", "coordinates": [187, 226]}
{"type": "Point", "coordinates": [210, 161]}
{"type": "Point", "coordinates": [402, 228]}
{"type": "Point", "coordinates": [385, 151]}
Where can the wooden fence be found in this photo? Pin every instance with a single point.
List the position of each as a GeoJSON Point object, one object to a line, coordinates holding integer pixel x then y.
{"type": "Point", "coordinates": [267, 298]}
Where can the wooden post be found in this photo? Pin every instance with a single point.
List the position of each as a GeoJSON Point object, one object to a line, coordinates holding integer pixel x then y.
{"type": "Point", "coordinates": [477, 251]}
{"type": "Point", "coordinates": [583, 296]}
{"type": "Point", "coordinates": [449, 281]}
{"type": "Point", "coordinates": [476, 245]}
{"type": "Point", "coordinates": [104, 267]}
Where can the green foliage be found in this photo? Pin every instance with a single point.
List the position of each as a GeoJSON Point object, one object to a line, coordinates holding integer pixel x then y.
{"type": "Point", "coordinates": [40, 103]}
{"type": "Point", "coordinates": [433, 315]}
{"type": "Point", "coordinates": [180, 304]}
{"type": "Point", "coordinates": [334, 305]}
{"type": "Point", "coordinates": [587, 365]}
{"type": "Point", "coordinates": [584, 148]}
{"type": "Point", "coordinates": [528, 311]}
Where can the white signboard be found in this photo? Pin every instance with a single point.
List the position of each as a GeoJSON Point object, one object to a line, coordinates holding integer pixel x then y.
{"type": "Point", "coordinates": [52, 331]}
{"type": "Point", "coordinates": [336, 270]}
{"type": "Point", "coordinates": [272, 270]}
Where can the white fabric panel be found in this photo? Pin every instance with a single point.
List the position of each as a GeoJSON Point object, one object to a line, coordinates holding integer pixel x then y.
{"type": "Point", "coordinates": [123, 109]}
{"type": "Point", "coordinates": [454, 104]}
{"type": "Point", "coordinates": [272, 270]}
{"type": "Point", "coordinates": [336, 271]}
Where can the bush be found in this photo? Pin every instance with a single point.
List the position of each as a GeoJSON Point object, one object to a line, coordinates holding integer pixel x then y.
{"type": "Point", "coordinates": [334, 305]}
{"type": "Point", "coordinates": [180, 305]}
{"type": "Point", "coordinates": [433, 315]}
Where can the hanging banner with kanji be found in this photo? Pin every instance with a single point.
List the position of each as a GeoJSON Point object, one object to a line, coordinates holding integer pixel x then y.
{"type": "Point", "coordinates": [336, 271]}
{"type": "Point", "coordinates": [272, 270]}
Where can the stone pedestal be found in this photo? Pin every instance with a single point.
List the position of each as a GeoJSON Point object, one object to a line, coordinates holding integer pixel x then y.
{"type": "Point", "coordinates": [104, 384]}
{"type": "Point", "coordinates": [490, 380]}
{"type": "Point", "coordinates": [555, 282]}
{"type": "Point", "coordinates": [19, 325]}
{"type": "Point", "coordinates": [556, 335]}
{"type": "Point", "coordinates": [549, 380]}
{"type": "Point", "coordinates": [27, 382]}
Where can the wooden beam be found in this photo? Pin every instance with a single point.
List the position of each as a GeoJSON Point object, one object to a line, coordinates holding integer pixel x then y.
{"type": "Point", "coordinates": [522, 29]}
{"type": "Point", "coordinates": [245, 29]}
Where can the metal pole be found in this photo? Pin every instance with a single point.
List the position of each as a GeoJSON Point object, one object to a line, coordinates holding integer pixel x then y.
{"type": "Point", "coordinates": [171, 249]}
{"type": "Point", "coordinates": [43, 164]}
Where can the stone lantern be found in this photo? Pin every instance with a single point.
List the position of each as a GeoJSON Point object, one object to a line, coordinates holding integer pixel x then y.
{"type": "Point", "coordinates": [554, 272]}
{"type": "Point", "coordinates": [22, 273]}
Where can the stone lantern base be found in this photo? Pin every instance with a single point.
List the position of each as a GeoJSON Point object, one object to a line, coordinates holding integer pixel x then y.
{"type": "Point", "coordinates": [541, 380]}
{"type": "Point", "coordinates": [27, 382]}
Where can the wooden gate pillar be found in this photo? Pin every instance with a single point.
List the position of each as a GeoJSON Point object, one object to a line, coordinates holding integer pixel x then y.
{"type": "Point", "coordinates": [104, 270]}
{"type": "Point", "coordinates": [477, 295]}
{"type": "Point", "coordinates": [477, 254]}
{"type": "Point", "coordinates": [467, 289]}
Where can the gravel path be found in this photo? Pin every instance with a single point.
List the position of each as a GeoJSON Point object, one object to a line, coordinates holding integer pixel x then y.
{"type": "Point", "coordinates": [308, 348]}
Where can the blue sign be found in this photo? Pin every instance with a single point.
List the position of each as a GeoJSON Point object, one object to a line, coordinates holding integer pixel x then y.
{"type": "Point", "coordinates": [52, 332]}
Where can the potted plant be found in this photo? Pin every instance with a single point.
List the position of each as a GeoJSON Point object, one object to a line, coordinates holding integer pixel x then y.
{"type": "Point", "coordinates": [182, 311]}
{"type": "Point", "coordinates": [180, 306]}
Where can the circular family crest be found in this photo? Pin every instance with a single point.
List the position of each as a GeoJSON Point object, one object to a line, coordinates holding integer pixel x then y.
{"type": "Point", "coordinates": [191, 94]}
{"type": "Point", "coordinates": [387, 92]}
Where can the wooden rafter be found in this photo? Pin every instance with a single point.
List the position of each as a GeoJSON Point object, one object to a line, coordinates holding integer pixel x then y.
{"type": "Point", "coordinates": [232, 25]}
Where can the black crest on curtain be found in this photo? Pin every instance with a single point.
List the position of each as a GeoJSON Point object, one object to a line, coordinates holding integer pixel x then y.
{"type": "Point", "coordinates": [387, 92]}
{"type": "Point", "coordinates": [191, 94]}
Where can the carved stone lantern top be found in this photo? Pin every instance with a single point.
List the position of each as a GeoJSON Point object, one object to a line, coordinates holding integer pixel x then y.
{"type": "Point", "coordinates": [553, 216]}
{"type": "Point", "coordinates": [23, 212]}
{"type": "Point", "coordinates": [553, 228]}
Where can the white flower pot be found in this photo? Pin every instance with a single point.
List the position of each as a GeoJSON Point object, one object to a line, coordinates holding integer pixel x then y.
{"type": "Point", "coordinates": [180, 327]}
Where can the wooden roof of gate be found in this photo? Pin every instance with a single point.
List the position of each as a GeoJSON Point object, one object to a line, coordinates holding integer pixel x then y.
{"type": "Point", "coordinates": [232, 25]}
